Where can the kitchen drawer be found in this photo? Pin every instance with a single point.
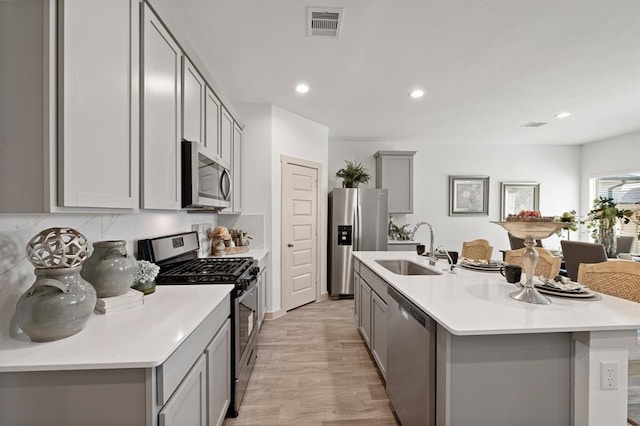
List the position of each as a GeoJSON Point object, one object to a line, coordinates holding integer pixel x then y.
{"type": "Point", "coordinates": [175, 368]}
{"type": "Point", "coordinates": [356, 265]}
{"type": "Point", "coordinates": [376, 283]}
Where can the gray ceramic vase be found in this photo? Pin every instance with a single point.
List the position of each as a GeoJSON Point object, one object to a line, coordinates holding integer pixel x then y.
{"type": "Point", "coordinates": [57, 305]}
{"type": "Point", "coordinates": [109, 269]}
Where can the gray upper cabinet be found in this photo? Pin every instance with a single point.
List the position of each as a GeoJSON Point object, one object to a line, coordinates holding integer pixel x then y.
{"type": "Point", "coordinates": [236, 169]}
{"type": "Point", "coordinates": [161, 105]}
{"type": "Point", "coordinates": [226, 137]}
{"type": "Point", "coordinates": [213, 111]}
{"type": "Point", "coordinates": [193, 103]}
{"type": "Point", "coordinates": [394, 171]}
{"type": "Point", "coordinates": [69, 108]}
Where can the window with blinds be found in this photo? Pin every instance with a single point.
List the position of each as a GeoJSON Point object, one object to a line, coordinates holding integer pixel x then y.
{"type": "Point", "coordinates": [625, 191]}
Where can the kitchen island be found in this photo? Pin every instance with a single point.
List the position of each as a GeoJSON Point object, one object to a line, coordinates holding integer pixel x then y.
{"type": "Point", "coordinates": [501, 361]}
{"type": "Point", "coordinates": [132, 367]}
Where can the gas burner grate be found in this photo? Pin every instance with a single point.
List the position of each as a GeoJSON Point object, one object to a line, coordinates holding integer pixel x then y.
{"type": "Point", "coordinates": [208, 270]}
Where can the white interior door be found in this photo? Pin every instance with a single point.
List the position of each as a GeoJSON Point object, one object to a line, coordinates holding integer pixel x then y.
{"type": "Point", "coordinates": [299, 234]}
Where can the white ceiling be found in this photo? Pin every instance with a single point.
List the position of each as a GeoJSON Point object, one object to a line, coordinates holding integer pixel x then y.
{"type": "Point", "coordinates": [488, 66]}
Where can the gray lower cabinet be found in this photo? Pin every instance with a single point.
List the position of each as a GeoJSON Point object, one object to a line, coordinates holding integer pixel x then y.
{"type": "Point", "coordinates": [192, 387]}
{"type": "Point", "coordinates": [262, 292]}
{"type": "Point", "coordinates": [371, 314]}
{"type": "Point", "coordinates": [188, 405]}
{"type": "Point", "coordinates": [218, 355]}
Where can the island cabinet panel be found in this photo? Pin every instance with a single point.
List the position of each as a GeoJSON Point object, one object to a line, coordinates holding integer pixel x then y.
{"type": "Point", "coordinates": [161, 115]}
{"type": "Point", "coordinates": [379, 332]}
{"type": "Point", "coordinates": [519, 368]}
{"type": "Point", "coordinates": [370, 312]}
{"type": "Point", "coordinates": [357, 299]}
{"type": "Point", "coordinates": [365, 312]}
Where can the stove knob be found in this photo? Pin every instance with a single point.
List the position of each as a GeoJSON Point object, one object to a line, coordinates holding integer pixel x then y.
{"type": "Point", "coordinates": [255, 271]}
{"type": "Point", "coordinates": [242, 284]}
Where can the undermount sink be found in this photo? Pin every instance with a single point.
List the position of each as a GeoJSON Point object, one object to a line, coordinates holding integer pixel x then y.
{"type": "Point", "coordinates": [406, 267]}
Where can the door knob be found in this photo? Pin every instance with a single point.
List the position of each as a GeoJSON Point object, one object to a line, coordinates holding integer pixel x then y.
{"type": "Point", "coordinates": [289, 245]}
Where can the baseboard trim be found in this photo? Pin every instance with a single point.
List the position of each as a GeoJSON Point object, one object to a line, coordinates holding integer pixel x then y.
{"type": "Point", "coordinates": [268, 316]}
{"type": "Point", "coordinates": [274, 315]}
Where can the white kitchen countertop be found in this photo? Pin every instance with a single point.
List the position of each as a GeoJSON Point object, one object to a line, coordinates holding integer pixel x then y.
{"type": "Point", "coordinates": [478, 303]}
{"type": "Point", "coordinates": [141, 337]}
{"type": "Point", "coordinates": [257, 254]}
{"type": "Point", "coordinates": [403, 242]}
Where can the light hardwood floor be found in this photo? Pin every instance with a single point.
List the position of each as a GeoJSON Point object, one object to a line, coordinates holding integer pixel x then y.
{"type": "Point", "coordinates": [313, 369]}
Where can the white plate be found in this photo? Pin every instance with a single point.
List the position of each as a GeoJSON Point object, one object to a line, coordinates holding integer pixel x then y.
{"type": "Point", "coordinates": [485, 267]}
{"type": "Point", "coordinates": [572, 294]}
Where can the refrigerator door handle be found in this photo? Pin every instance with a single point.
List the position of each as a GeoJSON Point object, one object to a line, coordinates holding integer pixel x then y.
{"type": "Point", "coordinates": [357, 224]}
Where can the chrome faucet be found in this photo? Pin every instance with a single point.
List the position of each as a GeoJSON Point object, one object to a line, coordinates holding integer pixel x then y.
{"type": "Point", "coordinates": [432, 254]}
{"type": "Point", "coordinates": [442, 250]}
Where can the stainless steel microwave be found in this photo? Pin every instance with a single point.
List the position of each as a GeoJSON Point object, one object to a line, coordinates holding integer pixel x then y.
{"type": "Point", "coordinates": [206, 181]}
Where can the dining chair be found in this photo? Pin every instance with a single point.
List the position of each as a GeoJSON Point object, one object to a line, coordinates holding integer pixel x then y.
{"type": "Point", "coordinates": [548, 265]}
{"type": "Point", "coordinates": [619, 278]}
{"type": "Point", "coordinates": [479, 249]}
{"type": "Point", "coordinates": [624, 244]}
{"type": "Point", "coordinates": [517, 243]}
{"type": "Point", "coordinates": [577, 252]}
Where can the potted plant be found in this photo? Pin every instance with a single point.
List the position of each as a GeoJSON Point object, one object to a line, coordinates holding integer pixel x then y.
{"type": "Point", "coordinates": [145, 277]}
{"type": "Point", "coordinates": [602, 220]}
{"type": "Point", "coordinates": [353, 174]}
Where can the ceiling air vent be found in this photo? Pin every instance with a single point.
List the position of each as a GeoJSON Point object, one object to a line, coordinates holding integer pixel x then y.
{"type": "Point", "coordinates": [324, 22]}
{"type": "Point", "coordinates": [534, 124]}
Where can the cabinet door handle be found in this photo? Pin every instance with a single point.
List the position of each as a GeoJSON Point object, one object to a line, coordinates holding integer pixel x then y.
{"type": "Point", "coordinates": [289, 245]}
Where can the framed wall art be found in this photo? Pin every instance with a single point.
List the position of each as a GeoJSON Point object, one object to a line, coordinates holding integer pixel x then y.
{"type": "Point", "coordinates": [518, 196]}
{"type": "Point", "coordinates": [468, 195]}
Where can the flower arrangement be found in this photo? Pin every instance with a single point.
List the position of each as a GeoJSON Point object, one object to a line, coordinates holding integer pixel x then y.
{"type": "Point", "coordinates": [570, 219]}
{"type": "Point", "coordinates": [146, 272]}
{"type": "Point", "coordinates": [602, 219]}
{"type": "Point", "coordinates": [145, 278]}
{"type": "Point", "coordinates": [605, 215]}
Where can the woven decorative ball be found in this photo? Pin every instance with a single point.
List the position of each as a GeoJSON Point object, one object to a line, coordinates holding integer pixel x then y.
{"type": "Point", "coordinates": [58, 248]}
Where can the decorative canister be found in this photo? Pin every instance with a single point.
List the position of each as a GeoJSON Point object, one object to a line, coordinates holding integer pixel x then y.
{"type": "Point", "coordinates": [57, 305]}
{"type": "Point", "coordinates": [109, 269]}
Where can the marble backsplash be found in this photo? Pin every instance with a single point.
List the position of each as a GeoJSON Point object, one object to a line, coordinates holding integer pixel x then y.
{"type": "Point", "coordinates": [16, 272]}
{"type": "Point", "coordinates": [252, 224]}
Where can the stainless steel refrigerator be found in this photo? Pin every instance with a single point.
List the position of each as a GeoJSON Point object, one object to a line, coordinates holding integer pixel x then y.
{"type": "Point", "coordinates": [358, 221]}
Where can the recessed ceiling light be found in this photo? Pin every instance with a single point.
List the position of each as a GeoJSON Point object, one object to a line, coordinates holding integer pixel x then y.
{"type": "Point", "coordinates": [302, 88]}
{"type": "Point", "coordinates": [416, 93]}
{"type": "Point", "coordinates": [563, 115]}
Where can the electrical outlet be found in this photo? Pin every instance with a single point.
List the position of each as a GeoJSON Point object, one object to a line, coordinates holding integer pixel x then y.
{"type": "Point", "coordinates": [608, 375]}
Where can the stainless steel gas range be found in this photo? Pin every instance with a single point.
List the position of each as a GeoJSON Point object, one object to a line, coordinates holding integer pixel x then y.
{"type": "Point", "coordinates": [177, 256]}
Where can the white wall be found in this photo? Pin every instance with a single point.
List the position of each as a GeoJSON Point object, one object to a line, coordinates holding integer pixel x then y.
{"type": "Point", "coordinates": [556, 168]}
{"type": "Point", "coordinates": [608, 157]}
{"type": "Point", "coordinates": [270, 133]}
